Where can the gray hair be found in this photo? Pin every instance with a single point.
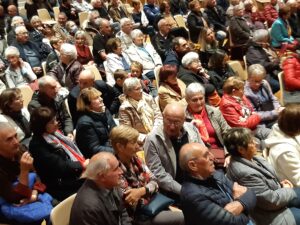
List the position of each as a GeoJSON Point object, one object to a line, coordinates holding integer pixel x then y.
{"type": "Point", "coordinates": [34, 19]}
{"type": "Point", "coordinates": [98, 166]}
{"type": "Point", "coordinates": [129, 84]}
{"type": "Point", "coordinates": [15, 19]}
{"type": "Point", "coordinates": [20, 29]}
{"type": "Point", "coordinates": [69, 50]}
{"type": "Point", "coordinates": [124, 20]}
{"type": "Point", "coordinates": [101, 21]}
{"type": "Point", "coordinates": [259, 35]}
{"type": "Point", "coordinates": [11, 51]}
{"type": "Point", "coordinates": [290, 2]}
{"type": "Point", "coordinates": [80, 33]}
{"type": "Point", "coordinates": [185, 158]}
{"type": "Point", "coordinates": [92, 14]}
{"type": "Point", "coordinates": [238, 7]}
{"type": "Point", "coordinates": [194, 88]}
{"type": "Point", "coordinates": [161, 22]}
{"type": "Point", "coordinates": [256, 69]}
{"type": "Point", "coordinates": [188, 58]}
{"type": "Point", "coordinates": [136, 33]}
{"type": "Point", "coordinates": [44, 81]}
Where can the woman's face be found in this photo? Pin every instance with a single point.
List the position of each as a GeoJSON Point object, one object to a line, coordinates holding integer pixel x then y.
{"type": "Point", "coordinates": [80, 40]}
{"type": "Point", "coordinates": [138, 41]}
{"type": "Point", "coordinates": [130, 148]}
{"type": "Point", "coordinates": [136, 93]}
{"type": "Point", "coordinates": [13, 60]}
{"type": "Point", "coordinates": [17, 103]}
{"type": "Point", "coordinates": [97, 105]}
{"type": "Point", "coordinates": [167, 8]}
{"type": "Point", "coordinates": [196, 102]}
{"type": "Point", "coordinates": [195, 66]}
{"type": "Point", "coordinates": [52, 126]}
{"type": "Point", "coordinates": [210, 36]}
{"type": "Point", "coordinates": [239, 92]}
{"type": "Point", "coordinates": [172, 79]}
{"type": "Point", "coordinates": [136, 72]}
{"type": "Point", "coordinates": [255, 82]}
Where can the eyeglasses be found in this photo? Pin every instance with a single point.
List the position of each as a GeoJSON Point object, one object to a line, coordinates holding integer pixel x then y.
{"type": "Point", "coordinates": [169, 122]}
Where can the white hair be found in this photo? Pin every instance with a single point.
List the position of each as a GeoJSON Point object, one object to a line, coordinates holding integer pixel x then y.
{"type": "Point", "coordinates": [188, 58]}
{"type": "Point", "coordinates": [260, 35]}
{"type": "Point", "coordinates": [16, 19]}
{"type": "Point", "coordinates": [124, 20]}
{"type": "Point", "coordinates": [69, 50]}
{"type": "Point", "coordinates": [129, 84]}
{"type": "Point", "coordinates": [11, 51]}
{"type": "Point", "coordinates": [161, 22]}
{"type": "Point", "coordinates": [20, 29]}
{"type": "Point", "coordinates": [256, 69]}
{"type": "Point", "coordinates": [136, 33]}
{"type": "Point", "coordinates": [192, 89]}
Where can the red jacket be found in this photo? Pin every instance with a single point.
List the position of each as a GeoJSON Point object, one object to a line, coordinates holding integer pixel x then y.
{"type": "Point", "coordinates": [271, 14]}
{"type": "Point", "coordinates": [291, 74]}
{"type": "Point", "coordinates": [233, 113]}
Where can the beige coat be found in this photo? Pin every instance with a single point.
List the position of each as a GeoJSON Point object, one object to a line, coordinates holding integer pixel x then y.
{"type": "Point", "coordinates": [168, 95]}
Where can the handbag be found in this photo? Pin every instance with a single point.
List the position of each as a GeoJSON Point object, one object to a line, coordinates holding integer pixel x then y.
{"type": "Point", "coordinates": [219, 155]}
{"type": "Point", "coordinates": [158, 203]}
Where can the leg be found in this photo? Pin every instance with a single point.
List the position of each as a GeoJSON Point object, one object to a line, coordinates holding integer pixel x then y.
{"type": "Point", "coordinates": [296, 214]}
{"type": "Point", "coordinates": [168, 217]}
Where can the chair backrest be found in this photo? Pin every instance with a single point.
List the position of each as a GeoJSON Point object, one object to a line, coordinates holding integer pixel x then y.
{"type": "Point", "coordinates": [44, 15]}
{"type": "Point", "coordinates": [95, 71]}
{"type": "Point", "coordinates": [180, 21]}
{"type": "Point", "coordinates": [44, 68]}
{"type": "Point", "coordinates": [27, 93]}
{"type": "Point", "coordinates": [60, 214]}
{"type": "Point", "coordinates": [237, 68]}
{"type": "Point", "coordinates": [83, 16]}
{"type": "Point", "coordinates": [156, 73]}
{"type": "Point", "coordinates": [22, 12]}
{"type": "Point", "coordinates": [56, 12]}
{"type": "Point", "coordinates": [282, 89]}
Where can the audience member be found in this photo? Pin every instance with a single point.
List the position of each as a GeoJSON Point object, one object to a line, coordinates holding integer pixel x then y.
{"type": "Point", "coordinates": [81, 6]}
{"type": "Point", "coordinates": [60, 28]}
{"type": "Point", "coordinates": [270, 12]}
{"type": "Point", "coordinates": [151, 10]}
{"type": "Point", "coordinates": [120, 76]}
{"type": "Point", "coordinates": [294, 18]}
{"type": "Point", "coordinates": [138, 109]}
{"type": "Point", "coordinates": [207, 195]}
{"type": "Point", "coordinates": [99, 200]}
{"type": "Point", "coordinates": [124, 33]}
{"type": "Point", "coordinates": [15, 22]}
{"type": "Point", "coordinates": [99, 6]}
{"type": "Point", "coordinates": [277, 200]}
{"type": "Point", "coordinates": [140, 19]}
{"type": "Point", "coordinates": [117, 11]}
{"type": "Point", "coordinates": [179, 47]}
{"type": "Point", "coordinates": [57, 160]}
{"type": "Point", "coordinates": [216, 16]}
{"type": "Point", "coordinates": [84, 55]}
{"type": "Point", "coordinates": [53, 58]}
{"type": "Point", "coordinates": [162, 147]}
{"type": "Point", "coordinates": [94, 124]}
{"type": "Point", "coordinates": [69, 10]}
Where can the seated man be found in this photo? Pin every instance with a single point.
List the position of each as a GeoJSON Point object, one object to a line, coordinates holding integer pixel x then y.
{"type": "Point", "coordinates": [124, 33]}
{"type": "Point", "coordinates": [53, 58]}
{"type": "Point", "coordinates": [162, 147]}
{"type": "Point", "coordinates": [47, 96]}
{"type": "Point", "coordinates": [15, 22]}
{"type": "Point", "coordinates": [60, 28]}
{"type": "Point", "coordinates": [87, 79]}
{"type": "Point", "coordinates": [207, 195]}
{"type": "Point", "coordinates": [99, 200]}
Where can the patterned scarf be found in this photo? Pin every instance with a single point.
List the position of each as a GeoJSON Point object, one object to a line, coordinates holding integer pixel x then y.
{"type": "Point", "coordinates": [201, 125]}
{"type": "Point", "coordinates": [58, 140]}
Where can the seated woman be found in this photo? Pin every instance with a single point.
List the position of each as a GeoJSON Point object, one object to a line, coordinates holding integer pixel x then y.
{"type": "Point", "coordinates": [237, 109]}
{"type": "Point", "coordinates": [94, 124]}
{"type": "Point", "coordinates": [208, 119]}
{"type": "Point", "coordinates": [281, 37]}
{"type": "Point", "coordinates": [284, 145]}
{"type": "Point", "coordinates": [19, 72]}
{"type": "Point", "coordinates": [138, 109]}
{"type": "Point", "coordinates": [259, 92]}
{"type": "Point", "coordinates": [143, 53]}
{"type": "Point", "coordinates": [115, 59]}
{"type": "Point", "coordinates": [136, 70]}
{"type": "Point", "coordinates": [277, 201]}
{"type": "Point", "coordinates": [260, 52]}
{"type": "Point", "coordinates": [137, 182]}
{"type": "Point", "coordinates": [14, 112]}
{"type": "Point", "coordinates": [84, 55]}
{"type": "Point", "coordinates": [71, 28]}
{"type": "Point", "coordinates": [57, 160]}
{"type": "Point", "coordinates": [171, 89]}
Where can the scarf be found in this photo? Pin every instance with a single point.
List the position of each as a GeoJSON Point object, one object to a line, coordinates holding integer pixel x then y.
{"type": "Point", "coordinates": [58, 140]}
{"type": "Point", "coordinates": [144, 111]}
{"type": "Point", "coordinates": [199, 123]}
{"type": "Point", "coordinates": [176, 88]}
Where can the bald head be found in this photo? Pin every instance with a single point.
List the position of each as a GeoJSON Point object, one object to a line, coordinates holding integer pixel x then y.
{"type": "Point", "coordinates": [197, 160]}
{"type": "Point", "coordinates": [173, 117]}
{"type": "Point", "coordinates": [86, 79]}
{"type": "Point", "coordinates": [12, 10]}
{"type": "Point", "coordinates": [175, 109]}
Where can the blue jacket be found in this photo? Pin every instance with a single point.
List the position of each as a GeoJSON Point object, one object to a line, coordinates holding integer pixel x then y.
{"type": "Point", "coordinates": [279, 33]}
{"type": "Point", "coordinates": [203, 200]}
{"type": "Point", "coordinates": [151, 11]}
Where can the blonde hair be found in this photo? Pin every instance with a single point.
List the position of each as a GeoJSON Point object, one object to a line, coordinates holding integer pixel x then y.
{"type": "Point", "coordinates": [85, 97]}
{"type": "Point", "coordinates": [232, 83]}
{"type": "Point", "coordinates": [122, 134]}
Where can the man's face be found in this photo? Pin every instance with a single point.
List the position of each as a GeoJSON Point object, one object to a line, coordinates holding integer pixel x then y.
{"type": "Point", "coordinates": [212, 3]}
{"type": "Point", "coordinates": [127, 27]}
{"type": "Point", "coordinates": [22, 37]}
{"type": "Point", "coordinates": [105, 28]}
{"type": "Point", "coordinates": [12, 11]}
{"type": "Point", "coordinates": [51, 89]}
{"type": "Point", "coordinates": [173, 123]}
{"type": "Point", "coordinates": [85, 82]}
{"type": "Point", "coordinates": [9, 143]}
{"type": "Point", "coordinates": [97, 4]}
{"type": "Point", "coordinates": [183, 47]}
{"type": "Point", "coordinates": [202, 163]}
{"type": "Point", "coordinates": [62, 19]}
{"type": "Point", "coordinates": [113, 177]}
{"type": "Point", "coordinates": [165, 28]}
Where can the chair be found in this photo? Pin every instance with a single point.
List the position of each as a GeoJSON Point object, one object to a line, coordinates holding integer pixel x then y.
{"type": "Point", "coordinates": [180, 21]}
{"type": "Point", "coordinates": [83, 16]}
{"type": "Point", "coordinates": [27, 93]}
{"type": "Point", "coordinates": [60, 215]}
{"type": "Point", "coordinates": [44, 15]}
{"type": "Point", "coordinates": [238, 69]}
{"type": "Point", "coordinates": [156, 74]}
{"type": "Point", "coordinates": [22, 12]}
{"type": "Point", "coordinates": [44, 68]}
{"type": "Point", "coordinates": [56, 12]}
{"type": "Point", "coordinates": [95, 71]}
{"type": "Point", "coordinates": [282, 89]}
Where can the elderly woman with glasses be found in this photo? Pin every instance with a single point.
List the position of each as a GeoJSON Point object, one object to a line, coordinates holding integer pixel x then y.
{"type": "Point", "coordinates": [277, 201]}
{"type": "Point", "coordinates": [259, 92]}
{"type": "Point", "coordinates": [207, 119]}
{"type": "Point", "coordinates": [138, 109]}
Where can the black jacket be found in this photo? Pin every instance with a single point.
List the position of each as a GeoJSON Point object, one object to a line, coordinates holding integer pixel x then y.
{"type": "Point", "coordinates": [92, 133]}
{"type": "Point", "coordinates": [239, 30]}
{"type": "Point", "coordinates": [55, 168]}
{"type": "Point", "coordinates": [195, 25]}
{"type": "Point", "coordinates": [217, 17]}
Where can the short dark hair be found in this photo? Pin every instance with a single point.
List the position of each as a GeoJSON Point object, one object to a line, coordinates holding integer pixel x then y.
{"type": "Point", "coordinates": [288, 120]}
{"type": "Point", "coordinates": [39, 119]}
{"type": "Point", "coordinates": [166, 71]}
{"type": "Point", "coordinates": [216, 59]}
{"type": "Point", "coordinates": [7, 97]}
{"type": "Point", "coordinates": [175, 42]}
{"type": "Point", "coordinates": [283, 11]}
{"type": "Point", "coordinates": [235, 138]}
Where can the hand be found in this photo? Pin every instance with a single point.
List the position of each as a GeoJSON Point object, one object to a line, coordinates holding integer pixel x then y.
{"type": "Point", "coordinates": [235, 207]}
{"type": "Point", "coordinates": [86, 163]}
{"type": "Point", "coordinates": [71, 136]}
{"type": "Point", "coordinates": [227, 161]}
{"type": "Point", "coordinates": [238, 190]}
{"type": "Point", "coordinates": [286, 184]}
{"type": "Point", "coordinates": [26, 162]}
{"type": "Point", "coordinates": [133, 195]}
{"type": "Point", "coordinates": [280, 109]}
{"type": "Point", "coordinates": [37, 69]}
{"type": "Point", "coordinates": [197, 123]}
